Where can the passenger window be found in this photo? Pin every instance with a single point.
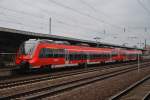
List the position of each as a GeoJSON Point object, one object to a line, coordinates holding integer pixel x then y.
{"type": "Point", "coordinates": [46, 53]}
{"type": "Point", "coordinates": [58, 53]}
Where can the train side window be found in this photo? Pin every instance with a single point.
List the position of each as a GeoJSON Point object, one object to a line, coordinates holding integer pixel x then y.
{"type": "Point", "coordinates": [71, 56]}
{"type": "Point", "coordinates": [49, 53]}
{"type": "Point", "coordinates": [78, 56]}
{"type": "Point", "coordinates": [74, 56]}
{"type": "Point", "coordinates": [61, 53]}
{"type": "Point", "coordinates": [58, 53]}
{"type": "Point", "coordinates": [91, 56]}
{"type": "Point", "coordinates": [45, 53]}
{"type": "Point", "coordinates": [55, 53]}
{"type": "Point", "coordinates": [103, 56]}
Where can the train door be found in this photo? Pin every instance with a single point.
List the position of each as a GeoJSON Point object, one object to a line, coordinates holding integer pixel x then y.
{"type": "Point", "coordinates": [88, 57]}
{"type": "Point", "coordinates": [110, 55]}
{"type": "Point", "coordinates": [66, 56]}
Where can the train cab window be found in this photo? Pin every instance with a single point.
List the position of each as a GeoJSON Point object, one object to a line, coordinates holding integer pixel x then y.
{"type": "Point", "coordinates": [41, 54]}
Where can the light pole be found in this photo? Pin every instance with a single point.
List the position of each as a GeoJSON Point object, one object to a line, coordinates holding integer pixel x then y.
{"type": "Point", "coordinates": [140, 44]}
{"type": "Point", "coordinates": [50, 25]}
{"type": "Point", "coordinates": [145, 43]}
{"type": "Point", "coordinates": [138, 62]}
{"type": "Point", "coordinates": [139, 56]}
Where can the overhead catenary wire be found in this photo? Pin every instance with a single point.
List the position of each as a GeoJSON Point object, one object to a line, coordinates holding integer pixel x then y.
{"type": "Point", "coordinates": [12, 22]}
{"type": "Point", "coordinates": [47, 12]}
{"type": "Point", "coordinates": [96, 11]}
{"type": "Point", "coordinates": [73, 25]}
{"type": "Point", "coordinates": [56, 20]}
{"type": "Point", "coordinates": [22, 12]}
{"type": "Point", "coordinates": [143, 6]}
{"type": "Point", "coordinates": [36, 16]}
{"type": "Point", "coordinates": [8, 15]}
{"type": "Point", "coordinates": [28, 14]}
{"type": "Point", "coordinates": [84, 14]}
{"type": "Point", "coordinates": [93, 8]}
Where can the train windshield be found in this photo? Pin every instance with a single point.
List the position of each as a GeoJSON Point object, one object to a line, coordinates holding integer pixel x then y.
{"type": "Point", "coordinates": [27, 48]}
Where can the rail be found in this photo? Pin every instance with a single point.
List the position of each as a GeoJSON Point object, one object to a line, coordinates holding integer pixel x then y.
{"type": "Point", "coordinates": [44, 91]}
{"type": "Point", "coordinates": [130, 88]}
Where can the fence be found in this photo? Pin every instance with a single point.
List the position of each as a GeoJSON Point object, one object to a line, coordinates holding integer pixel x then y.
{"type": "Point", "coordinates": [7, 59]}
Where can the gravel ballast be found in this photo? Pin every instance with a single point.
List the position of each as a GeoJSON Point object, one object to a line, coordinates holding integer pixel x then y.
{"type": "Point", "coordinates": [104, 89]}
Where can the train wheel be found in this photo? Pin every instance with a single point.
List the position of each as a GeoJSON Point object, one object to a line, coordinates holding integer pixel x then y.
{"type": "Point", "coordinates": [47, 68]}
{"type": "Point", "coordinates": [83, 65]}
{"type": "Point", "coordinates": [24, 67]}
{"type": "Point", "coordinates": [102, 63]}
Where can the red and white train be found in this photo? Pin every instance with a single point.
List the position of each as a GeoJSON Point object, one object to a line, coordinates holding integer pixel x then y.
{"type": "Point", "coordinates": [44, 53]}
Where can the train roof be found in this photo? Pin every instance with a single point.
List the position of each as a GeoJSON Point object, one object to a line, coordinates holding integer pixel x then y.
{"type": "Point", "coordinates": [84, 48]}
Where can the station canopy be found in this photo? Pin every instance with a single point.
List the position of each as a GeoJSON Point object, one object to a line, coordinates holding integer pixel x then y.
{"type": "Point", "coordinates": [12, 38]}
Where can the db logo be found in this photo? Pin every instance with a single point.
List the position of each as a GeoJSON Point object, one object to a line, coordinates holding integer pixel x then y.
{"type": "Point", "coordinates": [55, 60]}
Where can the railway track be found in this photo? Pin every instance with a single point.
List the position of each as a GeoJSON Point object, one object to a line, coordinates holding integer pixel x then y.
{"type": "Point", "coordinates": [138, 91]}
{"type": "Point", "coordinates": [43, 92]}
{"type": "Point", "coordinates": [14, 82]}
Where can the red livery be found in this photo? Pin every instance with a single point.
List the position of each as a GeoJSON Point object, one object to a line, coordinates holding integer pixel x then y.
{"type": "Point", "coordinates": [44, 53]}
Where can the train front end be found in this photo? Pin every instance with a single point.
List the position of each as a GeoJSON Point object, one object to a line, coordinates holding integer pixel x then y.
{"type": "Point", "coordinates": [25, 54]}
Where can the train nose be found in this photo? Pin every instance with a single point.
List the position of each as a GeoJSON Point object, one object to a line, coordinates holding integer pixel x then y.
{"type": "Point", "coordinates": [22, 58]}
{"type": "Point", "coordinates": [28, 57]}
{"type": "Point", "coordinates": [25, 57]}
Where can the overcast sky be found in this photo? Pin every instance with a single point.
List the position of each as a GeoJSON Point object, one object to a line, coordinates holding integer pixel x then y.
{"type": "Point", "coordinates": [114, 21]}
